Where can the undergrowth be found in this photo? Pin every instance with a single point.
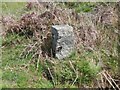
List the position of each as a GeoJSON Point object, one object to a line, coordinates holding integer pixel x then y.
{"type": "Point", "coordinates": [24, 64]}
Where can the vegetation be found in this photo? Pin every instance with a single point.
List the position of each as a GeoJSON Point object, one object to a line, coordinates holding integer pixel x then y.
{"type": "Point", "coordinates": [26, 64]}
{"type": "Point", "coordinates": [81, 7]}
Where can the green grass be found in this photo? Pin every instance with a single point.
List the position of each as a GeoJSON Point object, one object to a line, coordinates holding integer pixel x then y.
{"type": "Point", "coordinates": [81, 6]}
{"type": "Point", "coordinates": [85, 7]}
{"type": "Point", "coordinates": [0, 78]}
{"type": "Point", "coordinates": [12, 8]}
{"type": "Point", "coordinates": [14, 72]}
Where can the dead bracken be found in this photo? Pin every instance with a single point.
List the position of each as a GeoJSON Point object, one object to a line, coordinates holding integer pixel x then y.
{"type": "Point", "coordinates": [94, 35]}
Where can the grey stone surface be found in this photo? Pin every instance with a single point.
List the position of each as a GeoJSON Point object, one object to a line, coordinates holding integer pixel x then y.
{"type": "Point", "coordinates": [62, 40]}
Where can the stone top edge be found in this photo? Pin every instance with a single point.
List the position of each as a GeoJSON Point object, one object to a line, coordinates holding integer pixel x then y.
{"type": "Point", "coordinates": [60, 27]}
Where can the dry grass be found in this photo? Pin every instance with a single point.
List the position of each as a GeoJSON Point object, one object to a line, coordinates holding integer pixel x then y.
{"type": "Point", "coordinates": [96, 34]}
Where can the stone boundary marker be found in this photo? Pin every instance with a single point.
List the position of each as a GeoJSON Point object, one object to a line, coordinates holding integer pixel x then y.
{"type": "Point", "coordinates": [62, 41]}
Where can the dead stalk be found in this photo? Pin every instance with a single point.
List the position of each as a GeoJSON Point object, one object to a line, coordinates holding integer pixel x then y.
{"type": "Point", "coordinates": [112, 80]}
{"type": "Point", "coordinates": [74, 71]}
{"type": "Point", "coordinates": [102, 81]}
{"type": "Point", "coordinates": [108, 80]}
{"type": "Point", "coordinates": [51, 76]}
{"type": "Point", "coordinates": [98, 83]}
{"type": "Point", "coordinates": [38, 60]}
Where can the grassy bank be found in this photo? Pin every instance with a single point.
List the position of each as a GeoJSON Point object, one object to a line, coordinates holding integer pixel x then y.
{"type": "Point", "coordinates": [79, 70]}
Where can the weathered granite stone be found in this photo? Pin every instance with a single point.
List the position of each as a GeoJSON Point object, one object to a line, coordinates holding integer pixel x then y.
{"type": "Point", "coordinates": [62, 41]}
